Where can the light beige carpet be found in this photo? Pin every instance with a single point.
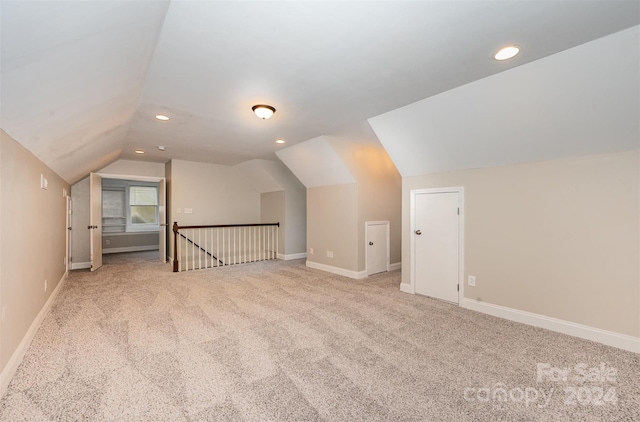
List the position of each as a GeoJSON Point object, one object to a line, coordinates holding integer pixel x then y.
{"type": "Point", "coordinates": [276, 341]}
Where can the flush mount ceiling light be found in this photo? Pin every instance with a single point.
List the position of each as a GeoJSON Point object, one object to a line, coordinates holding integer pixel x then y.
{"type": "Point", "coordinates": [139, 151]}
{"type": "Point", "coordinates": [161, 147]}
{"type": "Point", "coordinates": [279, 141]}
{"type": "Point", "coordinates": [507, 52]}
{"type": "Point", "coordinates": [263, 111]}
{"type": "Point", "coordinates": [162, 117]}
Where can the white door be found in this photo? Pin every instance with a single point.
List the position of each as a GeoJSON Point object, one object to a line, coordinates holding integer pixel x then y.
{"type": "Point", "coordinates": [377, 239]}
{"type": "Point", "coordinates": [95, 220]}
{"type": "Point", "coordinates": [162, 218]}
{"type": "Point", "coordinates": [436, 245]}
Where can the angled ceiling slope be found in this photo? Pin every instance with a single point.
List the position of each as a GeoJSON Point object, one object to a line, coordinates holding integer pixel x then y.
{"type": "Point", "coordinates": [72, 73]}
{"type": "Point", "coordinates": [82, 80]}
{"type": "Point", "coordinates": [585, 100]}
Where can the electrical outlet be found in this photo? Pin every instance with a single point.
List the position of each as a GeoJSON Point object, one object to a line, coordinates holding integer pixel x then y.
{"type": "Point", "coordinates": [472, 280]}
{"type": "Point", "coordinates": [107, 242]}
{"type": "Point", "coordinates": [45, 286]}
{"type": "Point", "coordinates": [188, 210]}
{"type": "Point", "coordinates": [311, 251]}
{"type": "Point", "coordinates": [329, 254]}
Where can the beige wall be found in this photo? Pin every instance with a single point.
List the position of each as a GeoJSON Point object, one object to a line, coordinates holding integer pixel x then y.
{"type": "Point", "coordinates": [296, 218]}
{"type": "Point", "coordinates": [272, 210]}
{"type": "Point", "coordinates": [379, 194]}
{"type": "Point", "coordinates": [332, 225]}
{"type": "Point", "coordinates": [216, 194]}
{"type": "Point", "coordinates": [134, 168]}
{"type": "Point", "coordinates": [557, 238]}
{"type": "Point", "coordinates": [33, 241]}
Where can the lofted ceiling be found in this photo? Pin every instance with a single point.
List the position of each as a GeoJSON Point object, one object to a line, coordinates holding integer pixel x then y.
{"type": "Point", "coordinates": [82, 81]}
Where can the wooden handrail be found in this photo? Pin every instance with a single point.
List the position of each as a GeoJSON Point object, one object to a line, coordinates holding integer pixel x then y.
{"type": "Point", "coordinates": [175, 224]}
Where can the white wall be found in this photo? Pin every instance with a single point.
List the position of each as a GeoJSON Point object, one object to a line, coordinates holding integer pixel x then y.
{"type": "Point", "coordinates": [33, 244]}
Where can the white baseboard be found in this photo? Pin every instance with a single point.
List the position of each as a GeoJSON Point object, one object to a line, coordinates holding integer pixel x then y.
{"type": "Point", "coordinates": [15, 360]}
{"type": "Point", "coordinates": [292, 256]}
{"type": "Point", "coordinates": [395, 266]}
{"type": "Point", "coordinates": [335, 270]}
{"type": "Point", "coordinates": [609, 338]}
{"type": "Point", "coordinates": [131, 249]}
{"type": "Point", "coordinates": [80, 265]}
{"type": "Point", "coordinates": [406, 288]}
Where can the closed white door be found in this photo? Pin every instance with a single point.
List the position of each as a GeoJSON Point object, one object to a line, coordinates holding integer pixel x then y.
{"type": "Point", "coordinates": [377, 247]}
{"type": "Point", "coordinates": [436, 253]}
{"type": "Point", "coordinates": [95, 220]}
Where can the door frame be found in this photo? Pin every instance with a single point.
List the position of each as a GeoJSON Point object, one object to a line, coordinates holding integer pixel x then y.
{"type": "Point", "coordinates": [412, 228]}
{"type": "Point", "coordinates": [163, 232]}
{"type": "Point", "coordinates": [366, 242]}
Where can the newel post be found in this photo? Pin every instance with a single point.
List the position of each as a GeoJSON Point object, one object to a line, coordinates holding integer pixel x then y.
{"type": "Point", "coordinates": [175, 246]}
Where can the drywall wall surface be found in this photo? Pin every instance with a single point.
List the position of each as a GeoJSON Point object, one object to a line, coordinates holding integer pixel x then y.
{"type": "Point", "coordinates": [208, 194]}
{"type": "Point", "coordinates": [272, 210]}
{"type": "Point", "coordinates": [332, 225]}
{"type": "Point", "coordinates": [33, 240]}
{"type": "Point", "coordinates": [379, 193]}
{"type": "Point", "coordinates": [134, 168]}
{"type": "Point", "coordinates": [296, 219]}
{"type": "Point", "coordinates": [558, 238]}
{"type": "Point", "coordinates": [80, 251]}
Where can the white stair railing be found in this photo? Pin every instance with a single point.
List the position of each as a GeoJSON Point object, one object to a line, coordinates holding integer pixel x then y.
{"type": "Point", "coordinates": [199, 247]}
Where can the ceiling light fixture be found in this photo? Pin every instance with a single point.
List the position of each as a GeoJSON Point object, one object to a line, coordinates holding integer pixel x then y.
{"type": "Point", "coordinates": [279, 141]}
{"type": "Point", "coordinates": [263, 111]}
{"type": "Point", "coordinates": [162, 117]}
{"type": "Point", "coordinates": [139, 151]}
{"type": "Point", "coordinates": [161, 147]}
{"type": "Point", "coordinates": [507, 52]}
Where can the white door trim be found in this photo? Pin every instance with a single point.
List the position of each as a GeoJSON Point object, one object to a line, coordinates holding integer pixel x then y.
{"type": "Point", "coordinates": [366, 242]}
{"type": "Point", "coordinates": [412, 223]}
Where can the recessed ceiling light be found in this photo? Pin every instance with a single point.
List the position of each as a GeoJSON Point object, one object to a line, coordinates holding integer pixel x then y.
{"type": "Point", "coordinates": [139, 151]}
{"type": "Point", "coordinates": [507, 52]}
{"type": "Point", "coordinates": [263, 111]}
{"type": "Point", "coordinates": [162, 117]}
{"type": "Point", "coordinates": [279, 141]}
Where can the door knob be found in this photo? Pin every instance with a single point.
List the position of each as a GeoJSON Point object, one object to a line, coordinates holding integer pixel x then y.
{"type": "Point", "coordinates": [370, 243]}
{"type": "Point", "coordinates": [418, 232]}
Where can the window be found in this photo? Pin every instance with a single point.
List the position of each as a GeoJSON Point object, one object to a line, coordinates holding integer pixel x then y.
{"type": "Point", "coordinates": [129, 208]}
{"type": "Point", "coordinates": [143, 206]}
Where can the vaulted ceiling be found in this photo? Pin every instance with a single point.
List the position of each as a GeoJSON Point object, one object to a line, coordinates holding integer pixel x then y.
{"type": "Point", "coordinates": [82, 81]}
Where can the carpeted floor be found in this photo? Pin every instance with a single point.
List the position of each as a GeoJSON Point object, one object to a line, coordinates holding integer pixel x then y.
{"type": "Point", "coordinates": [276, 341]}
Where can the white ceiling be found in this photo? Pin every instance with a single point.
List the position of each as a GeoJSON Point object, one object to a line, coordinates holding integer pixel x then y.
{"type": "Point", "coordinates": [81, 81]}
{"type": "Point", "coordinates": [585, 100]}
